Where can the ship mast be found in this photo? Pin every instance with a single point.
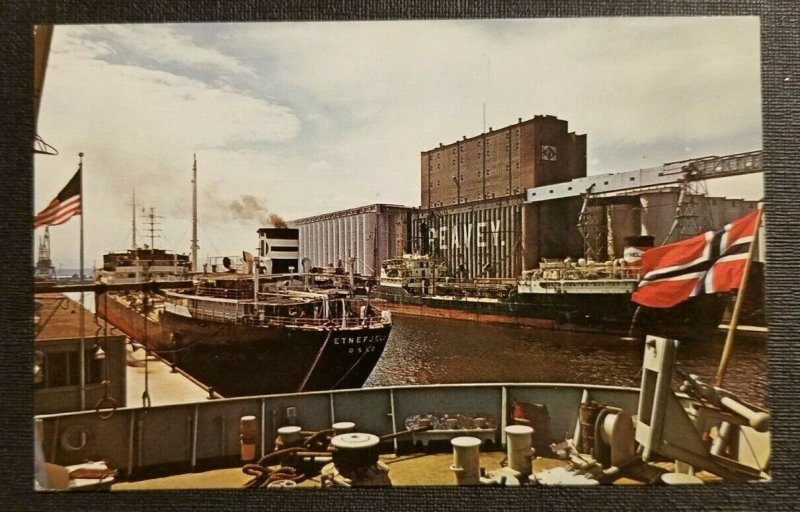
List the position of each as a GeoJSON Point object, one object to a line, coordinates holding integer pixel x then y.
{"type": "Point", "coordinates": [194, 215]}
{"type": "Point", "coordinates": [133, 219]}
{"type": "Point", "coordinates": [151, 220]}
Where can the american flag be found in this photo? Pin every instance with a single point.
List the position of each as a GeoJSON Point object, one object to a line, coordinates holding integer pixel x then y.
{"type": "Point", "coordinates": [66, 204]}
{"type": "Point", "coordinates": [712, 262]}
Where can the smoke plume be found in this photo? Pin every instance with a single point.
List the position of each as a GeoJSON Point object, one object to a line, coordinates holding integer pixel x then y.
{"type": "Point", "coordinates": [249, 208]}
{"type": "Point", "coordinates": [277, 221]}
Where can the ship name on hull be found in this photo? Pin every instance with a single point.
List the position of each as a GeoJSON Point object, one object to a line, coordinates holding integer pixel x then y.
{"type": "Point", "coordinates": [359, 340]}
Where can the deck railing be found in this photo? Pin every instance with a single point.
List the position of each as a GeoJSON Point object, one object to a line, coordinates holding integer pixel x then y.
{"type": "Point", "coordinates": [185, 437]}
{"type": "Point", "coordinates": [237, 316]}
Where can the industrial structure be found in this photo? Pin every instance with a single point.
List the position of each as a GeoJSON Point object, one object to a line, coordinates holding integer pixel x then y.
{"type": "Point", "coordinates": [44, 264]}
{"type": "Point", "coordinates": [370, 234]}
{"type": "Point", "coordinates": [502, 163]}
{"type": "Point", "coordinates": [668, 202]}
{"type": "Point", "coordinates": [473, 213]}
{"type": "Point", "coordinates": [496, 204]}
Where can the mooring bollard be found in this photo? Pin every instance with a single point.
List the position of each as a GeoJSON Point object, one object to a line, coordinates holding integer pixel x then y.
{"type": "Point", "coordinates": [519, 448]}
{"type": "Point", "coordinates": [466, 460]}
{"type": "Point", "coordinates": [248, 433]}
{"type": "Point", "coordinates": [343, 427]}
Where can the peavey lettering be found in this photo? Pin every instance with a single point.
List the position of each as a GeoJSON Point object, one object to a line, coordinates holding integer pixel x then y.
{"type": "Point", "coordinates": [485, 235]}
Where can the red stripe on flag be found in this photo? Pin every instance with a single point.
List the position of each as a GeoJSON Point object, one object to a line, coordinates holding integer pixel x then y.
{"type": "Point", "coordinates": [740, 228]}
{"type": "Point", "coordinates": [670, 272]}
{"type": "Point", "coordinates": [673, 255]}
{"type": "Point", "coordinates": [58, 212]}
{"type": "Point", "coordinates": [726, 274]}
{"type": "Point", "coordinates": [664, 294]}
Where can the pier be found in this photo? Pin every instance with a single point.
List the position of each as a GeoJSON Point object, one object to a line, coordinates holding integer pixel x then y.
{"type": "Point", "coordinates": [116, 376]}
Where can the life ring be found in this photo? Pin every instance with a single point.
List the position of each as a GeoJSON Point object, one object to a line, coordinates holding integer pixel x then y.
{"type": "Point", "coordinates": [74, 438]}
{"type": "Point", "coordinates": [112, 404]}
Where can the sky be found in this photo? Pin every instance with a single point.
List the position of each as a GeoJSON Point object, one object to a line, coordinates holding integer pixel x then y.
{"type": "Point", "coordinates": [297, 119]}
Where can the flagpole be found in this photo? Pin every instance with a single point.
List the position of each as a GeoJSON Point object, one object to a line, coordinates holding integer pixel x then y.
{"type": "Point", "coordinates": [737, 308]}
{"type": "Point", "coordinates": [82, 357]}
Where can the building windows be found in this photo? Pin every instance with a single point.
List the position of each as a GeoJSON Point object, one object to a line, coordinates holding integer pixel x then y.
{"type": "Point", "coordinates": [62, 369]}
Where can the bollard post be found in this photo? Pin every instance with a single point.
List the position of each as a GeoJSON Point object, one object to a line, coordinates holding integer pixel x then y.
{"type": "Point", "coordinates": [247, 439]}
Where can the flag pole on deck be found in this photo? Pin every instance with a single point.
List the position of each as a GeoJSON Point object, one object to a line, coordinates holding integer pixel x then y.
{"type": "Point", "coordinates": [726, 351]}
{"type": "Point", "coordinates": [67, 204]}
{"type": "Point", "coordinates": [82, 327]}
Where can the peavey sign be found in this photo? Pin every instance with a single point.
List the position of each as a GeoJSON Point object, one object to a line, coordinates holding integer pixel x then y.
{"type": "Point", "coordinates": [477, 235]}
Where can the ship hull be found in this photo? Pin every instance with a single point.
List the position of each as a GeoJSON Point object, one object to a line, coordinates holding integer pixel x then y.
{"type": "Point", "coordinates": [590, 312]}
{"type": "Point", "coordinates": [242, 360]}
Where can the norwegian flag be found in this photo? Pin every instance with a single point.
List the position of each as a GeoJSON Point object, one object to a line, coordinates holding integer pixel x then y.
{"type": "Point", "coordinates": [712, 262]}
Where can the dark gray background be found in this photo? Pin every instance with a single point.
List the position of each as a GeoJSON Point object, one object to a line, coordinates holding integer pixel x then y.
{"type": "Point", "coordinates": [780, 30]}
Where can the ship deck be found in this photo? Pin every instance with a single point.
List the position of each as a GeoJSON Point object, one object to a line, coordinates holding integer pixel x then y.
{"type": "Point", "coordinates": [411, 470]}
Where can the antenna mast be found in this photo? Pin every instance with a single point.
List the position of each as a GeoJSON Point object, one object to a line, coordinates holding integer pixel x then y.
{"type": "Point", "coordinates": [133, 219]}
{"type": "Point", "coordinates": [194, 215]}
{"type": "Point", "coordinates": [151, 219]}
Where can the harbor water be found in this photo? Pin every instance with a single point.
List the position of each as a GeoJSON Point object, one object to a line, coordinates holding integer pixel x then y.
{"type": "Point", "coordinates": [422, 350]}
{"type": "Point", "coordinates": [438, 351]}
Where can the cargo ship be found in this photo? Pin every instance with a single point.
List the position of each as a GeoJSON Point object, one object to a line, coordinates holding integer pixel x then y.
{"type": "Point", "coordinates": [143, 264]}
{"type": "Point", "coordinates": [243, 330]}
{"type": "Point", "coordinates": [273, 340]}
{"type": "Point", "coordinates": [561, 294]}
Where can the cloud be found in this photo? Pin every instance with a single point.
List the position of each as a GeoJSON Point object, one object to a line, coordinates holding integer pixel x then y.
{"type": "Point", "coordinates": [139, 128]}
{"type": "Point", "coordinates": [155, 44]}
{"type": "Point", "coordinates": [403, 87]}
{"type": "Point", "coordinates": [315, 117]}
